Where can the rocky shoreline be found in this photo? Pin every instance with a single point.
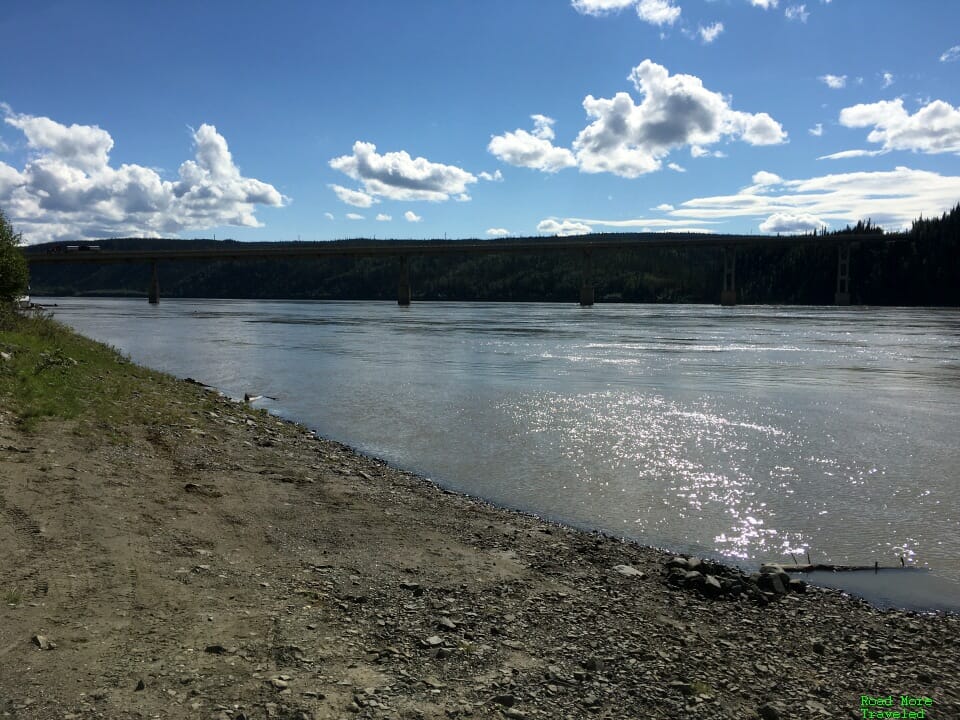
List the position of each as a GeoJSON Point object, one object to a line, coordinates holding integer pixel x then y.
{"type": "Point", "coordinates": [218, 562]}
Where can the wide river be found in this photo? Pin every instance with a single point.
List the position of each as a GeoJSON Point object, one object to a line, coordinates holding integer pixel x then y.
{"type": "Point", "coordinates": [748, 433]}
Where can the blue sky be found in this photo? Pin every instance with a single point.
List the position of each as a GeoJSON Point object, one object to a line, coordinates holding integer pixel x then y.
{"type": "Point", "coordinates": [470, 118]}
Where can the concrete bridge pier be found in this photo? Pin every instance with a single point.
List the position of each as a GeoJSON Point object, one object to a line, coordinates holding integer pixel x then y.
{"type": "Point", "coordinates": [586, 285]}
{"type": "Point", "coordinates": [842, 296]}
{"type": "Point", "coordinates": [728, 296]}
{"type": "Point", "coordinates": [153, 296]}
{"type": "Point", "coordinates": [403, 283]}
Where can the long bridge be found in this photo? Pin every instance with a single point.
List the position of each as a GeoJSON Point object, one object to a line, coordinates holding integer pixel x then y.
{"type": "Point", "coordinates": [585, 245]}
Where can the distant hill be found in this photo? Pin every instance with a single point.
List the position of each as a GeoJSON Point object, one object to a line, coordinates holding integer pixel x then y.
{"type": "Point", "coordinates": [923, 271]}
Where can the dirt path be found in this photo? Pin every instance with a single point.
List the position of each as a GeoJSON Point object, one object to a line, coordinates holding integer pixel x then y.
{"type": "Point", "coordinates": [231, 565]}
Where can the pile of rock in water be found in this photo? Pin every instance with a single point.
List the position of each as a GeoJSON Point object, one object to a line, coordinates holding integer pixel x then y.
{"type": "Point", "coordinates": [716, 580]}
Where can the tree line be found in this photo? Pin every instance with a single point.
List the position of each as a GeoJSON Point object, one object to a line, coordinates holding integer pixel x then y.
{"type": "Point", "coordinates": [921, 268]}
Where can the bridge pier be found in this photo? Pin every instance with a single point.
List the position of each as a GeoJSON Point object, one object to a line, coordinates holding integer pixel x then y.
{"type": "Point", "coordinates": [586, 284]}
{"type": "Point", "coordinates": [728, 296]}
{"type": "Point", "coordinates": [153, 295]}
{"type": "Point", "coordinates": [842, 296]}
{"type": "Point", "coordinates": [403, 283]}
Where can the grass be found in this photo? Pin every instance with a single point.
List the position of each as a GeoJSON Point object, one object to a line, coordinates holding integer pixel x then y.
{"type": "Point", "coordinates": [52, 372]}
{"type": "Point", "coordinates": [12, 597]}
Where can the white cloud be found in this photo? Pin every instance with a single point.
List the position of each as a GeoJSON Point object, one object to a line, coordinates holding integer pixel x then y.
{"type": "Point", "coordinates": [934, 128]}
{"type": "Point", "coordinates": [498, 232]}
{"type": "Point", "coordinates": [951, 54]}
{"type": "Point", "coordinates": [600, 7]}
{"type": "Point", "coordinates": [790, 224]}
{"type": "Point", "coordinates": [676, 167]}
{"type": "Point", "coordinates": [383, 217]}
{"type": "Point", "coordinates": [816, 130]}
{"type": "Point", "coordinates": [397, 176]}
{"type": "Point", "coordinates": [629, 139]}
{"type": "Point", "coordinates": [67, 188]}
{"type": "Point", "coordinates": [658, 12]}
{"type": "Point", "coordinates": [711, 32]}
{"type": "Point", "coordinates": [664, 207]}
{"type": "Point", "coordinates": [846, 154]}
{"type": "Point", "coordinates": [357, 198]}
{"type": "Point", "coordinates": [411, 216]}
{"type": "Point", "coordinates": [354, 216]}
{"type": "Point", "coordinates": [892, 199]}
{"type": "Point", "coordinates": [328, 216]}
{"type": "Point", "coordinates": [765, 4]}
{"type": "Point", "coordinates": [797, 12]}
{"type": "Point", "coordinates": [834, 81]}
{"type": "Point", "coordinates": [766, 178]}
{"type": "Point", "coordinates": [532, 150]}
{"type": "Point", "coordinates": [495, 177]}
{"type": "Point", "coordinates": [887, 79]}
{"type": "Point", "coordinates": [564, 228]}
{"type": "Point", "coordinates": [645, 223]}
{"type": "Point", "coordinates": [655, 12]}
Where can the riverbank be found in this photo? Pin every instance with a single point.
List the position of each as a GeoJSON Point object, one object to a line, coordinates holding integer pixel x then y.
{"type": "Point", "coordinates": [171, 553]}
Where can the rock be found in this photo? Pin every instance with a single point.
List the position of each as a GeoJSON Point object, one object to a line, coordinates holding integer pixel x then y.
{"type": "Point", "coordinates": [678, 562]}
{"type": "Point", "coordinates": [772, 583]}
{"type": "Point", "coordinates": [769, 712]}
{"type": "Point", "coordinates": [279, 683]}
{"type": "Point", "coordinates": [215, 649]}
{"type": "Point", "coordinates": [505, 700]}
{"type": "Point", "coordinates": [797, 586]}
{"type": "Point", "coordinates": [433, 641]}
{"type": "Point", "coordinates": [692, 578]}
{"type": "Point", "coordinates": [141, 685]}
{"type": "Point", "coordinates": [629, 571]}
{"type": "Point", "coordinates": [43, 642]}
{"type": "Point", "coordinates": [694, 563]}
{"type": "Point", "coordinates": [684, 688]}
{"type": "Point", "coordinates": [819, 648]}
{"type": "Point", "coordinates": [712, 586]}
{"type": "Point", "coordinates": [593, 665]}
{"type": "Point", "coordinates": [445, 623]}
{"type": "Point", "coordinates": [514, 713]}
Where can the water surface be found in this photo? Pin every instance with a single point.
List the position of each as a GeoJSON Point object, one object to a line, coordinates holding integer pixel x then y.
{"type": "Point", "coordinates": [750, 433]}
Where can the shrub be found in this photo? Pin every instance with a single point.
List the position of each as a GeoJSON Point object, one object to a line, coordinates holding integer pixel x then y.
{"type": "Point", "coordinates": [14, 276]}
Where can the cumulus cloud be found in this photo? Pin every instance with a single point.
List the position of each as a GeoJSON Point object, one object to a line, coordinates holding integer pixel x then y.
{"type": "Point", "coordinates": [328, 215]}
{"type": "Point", "coordinates": [933, 129]}
{"type": "Point", "coordinates": [629, 139]}
{"type": "Point", "coordinates": [655, 12]}
{"type": "Point", "coordinates": [658, 12]}
{"type": "Point", "coordinates": [834, 81]}
{"type": "Point", "coordinates": [790, 224]}
{"type": "Point", "coordinates": [892, 199]}
{"type": "Point", "coordinates": [67, 188]}
{"type": "Point", "coordinates": [887, 79]}
{"type": "Point", "coordinates": [397, 176]}
{"type": "Point", "coordinates": [766, 178]}
{"type": "Point", "coordinates": [357, 198]}
{"type": "Point", "coordinates": [710, 33]}
{"type": "Point", "coordinates": [383, 217]}
{"type": "Point", "coordinates": [495, 177]}
{"type": "Point", "coordinates": [563, 228]}
{"type": "Point", "coordinates": [411, 216]}
{"type": "Point", "coordinates": [951, 54]}
{"type": "Point", "coordinates": [797, 12]}
{"type": "Point", "coordinates": [532, 150]}
{"type": "Point", "coordinates": [676, 167]}
{"type": "Point", "coordinates": [765, 4]}
{"type": "Point", "coordinates": [664, 207]}
{"type": "Point", "coordinates": [816, 130]}
{"type": "Point", "coordinates": [498, 232]}
{"type": "Point", "coordinates": [354, 216]}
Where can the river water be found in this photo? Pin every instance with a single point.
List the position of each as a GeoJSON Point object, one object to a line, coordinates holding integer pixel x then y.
{"type": "Point", "coordinates": [747, 433]}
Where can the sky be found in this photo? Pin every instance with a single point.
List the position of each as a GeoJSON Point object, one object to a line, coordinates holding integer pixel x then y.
{"type": "Point", "coordinates": [474, 118]}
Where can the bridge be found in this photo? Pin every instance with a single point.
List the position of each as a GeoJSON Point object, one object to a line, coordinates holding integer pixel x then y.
{"type": "Point", "coordinates": [586, 245]}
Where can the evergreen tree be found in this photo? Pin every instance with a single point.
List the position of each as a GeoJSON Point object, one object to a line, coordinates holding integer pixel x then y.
{"type": "Point", "coordinates": [14, 276]}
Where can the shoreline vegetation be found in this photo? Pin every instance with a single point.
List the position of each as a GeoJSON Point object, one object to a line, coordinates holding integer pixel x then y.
{"type": "Point", "coordinates": [169, 552]}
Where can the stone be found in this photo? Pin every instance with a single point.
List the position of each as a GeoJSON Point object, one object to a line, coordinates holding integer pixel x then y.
{"type": "Point", "coordinates": [445, 623]}
{"type": "Point", "coordinates": [692, 578]}
{"type": "Point", "coordinates": [505, 700]}
{"type": "Point", "coordinates": [434, 641]}
{"type": "Point", "coordinates": [797, 586]}
{"type": "Point", "coordinates": [43, 642]}
{"type": "Point", "coordinates": [629, 571]}
{"type": "Point", "coordinates": [712, 586]}
{"type": "Point", "coordinates": [678, 562]}
{"type": "Point", "coordinates": [769, 712]}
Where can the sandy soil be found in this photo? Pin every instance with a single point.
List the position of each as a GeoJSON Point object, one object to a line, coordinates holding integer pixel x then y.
{"type": "Point", "coordinates": [231, 565]}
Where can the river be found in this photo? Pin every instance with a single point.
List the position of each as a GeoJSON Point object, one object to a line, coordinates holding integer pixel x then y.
{"type": "Point", "coordinates": [753, 433]}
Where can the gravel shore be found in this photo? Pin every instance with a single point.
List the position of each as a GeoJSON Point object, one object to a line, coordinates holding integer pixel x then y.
{"type": "Point", "coordinates": [222, 563]}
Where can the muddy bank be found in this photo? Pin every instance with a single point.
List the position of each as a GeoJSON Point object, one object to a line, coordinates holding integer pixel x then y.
{"type": "Point", "coordinates": [210, 561]}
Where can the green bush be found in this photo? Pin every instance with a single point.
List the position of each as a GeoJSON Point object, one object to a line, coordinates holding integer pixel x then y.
{"type": "Point", "coordinates": [14, 276]}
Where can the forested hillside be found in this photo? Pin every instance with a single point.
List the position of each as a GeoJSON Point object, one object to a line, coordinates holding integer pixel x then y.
{"type": "Point", "coordinates": [923, 268]}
